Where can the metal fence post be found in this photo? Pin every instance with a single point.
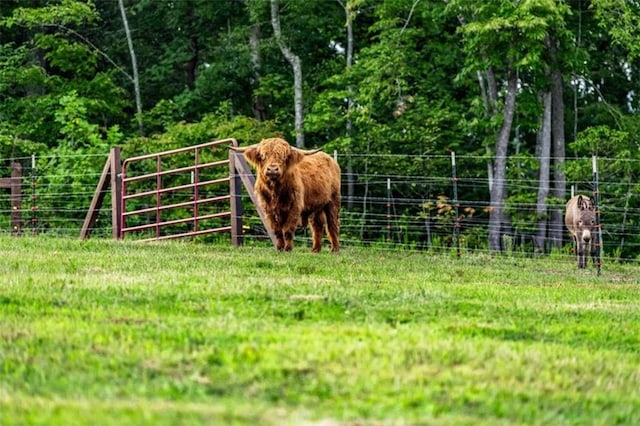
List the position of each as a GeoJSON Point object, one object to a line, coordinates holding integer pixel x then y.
{"type": "Point", "coordinates": [596, 197]}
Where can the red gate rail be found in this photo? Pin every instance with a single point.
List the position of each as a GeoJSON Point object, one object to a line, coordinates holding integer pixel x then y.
{"type": "Point", "coordinates": [194, 205]}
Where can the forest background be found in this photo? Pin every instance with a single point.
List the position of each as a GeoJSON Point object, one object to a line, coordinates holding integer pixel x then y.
{"type": "Point", "coordinates": [520, 86]}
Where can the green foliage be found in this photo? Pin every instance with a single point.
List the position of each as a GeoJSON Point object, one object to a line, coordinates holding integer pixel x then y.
{"type": "Point", "coordinates": [621, 19]}
{"type": "Point", "coordinates": [508, 32]}
{"type": "Point", "coordinates": [220, 124]}
{"type": "Point", "coordinates": [57, 60]}
{"type": "Point", "coordinates": [68, 57]}
{"type": "Point", "coordinates": [12, 146]}
{"type": "Point", "coordinates": [59, 14]}
{"type": "Point", "coordinates": [398, 107]}
{"type": "Point", "coordinates": [76, 162]}
{"type": "Point", "coordinates": [78, 134]}
{"type": "Point", "coordinates": [601, 141]}
{"type": "Point", "coordinates": [508, 35]}
{"type": "Point", "coordinates": [412, 89]}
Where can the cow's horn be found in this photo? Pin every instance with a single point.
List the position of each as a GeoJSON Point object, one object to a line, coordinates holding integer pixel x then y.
{"type": "Point", "coordinates": [308, 151]}
{"type": "Point", "coordinates": [239, 149]}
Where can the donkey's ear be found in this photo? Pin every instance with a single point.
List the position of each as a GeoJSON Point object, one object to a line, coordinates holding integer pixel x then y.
{"type": "Point", "coordinates": [581, 205]}
{"type": "Point", "coordinates": [592, 203]}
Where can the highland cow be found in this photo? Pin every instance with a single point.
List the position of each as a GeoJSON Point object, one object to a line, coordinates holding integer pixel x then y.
{"type": "Point", "coordinates": [296, 187]}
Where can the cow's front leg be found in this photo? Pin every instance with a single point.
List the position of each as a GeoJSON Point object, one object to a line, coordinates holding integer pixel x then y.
{"type": "Point", "coordinates": [288, 240]}
{"type": "Point", "coordinates": [274, 225]}
{"type": "Point", "coordinates": [280, 241]}
{"type": "Point", "coordinates": [289, 226]}
{"type": "Point", "coordinates": [288, 231]}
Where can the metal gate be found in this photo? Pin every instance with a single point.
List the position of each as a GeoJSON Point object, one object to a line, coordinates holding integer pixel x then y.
{"type": "Point", "coordinates": [180, 193]}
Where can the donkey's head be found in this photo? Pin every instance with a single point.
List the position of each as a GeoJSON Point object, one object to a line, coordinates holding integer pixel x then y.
{"type": "Point", "coordinates": [580, 219]}
{"type": "Point", "coordinates": [585, 219]}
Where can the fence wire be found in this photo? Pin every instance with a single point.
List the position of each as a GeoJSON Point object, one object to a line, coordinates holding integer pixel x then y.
{"type": "Point", "coordinates": [411, 208]}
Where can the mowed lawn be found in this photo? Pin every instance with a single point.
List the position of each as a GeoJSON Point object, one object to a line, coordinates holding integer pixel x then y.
{"type": "Point", "coordinates": [119, 333]}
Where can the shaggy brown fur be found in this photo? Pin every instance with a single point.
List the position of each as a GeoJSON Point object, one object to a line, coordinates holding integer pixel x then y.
{"type": "Point", "coordinates": [580, 220]}
{"type": "Point", "coordinates": [296, 187]}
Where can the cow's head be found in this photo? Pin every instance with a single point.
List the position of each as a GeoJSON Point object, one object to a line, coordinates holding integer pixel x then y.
{"type": "Point", "coordinates": [273, 157]}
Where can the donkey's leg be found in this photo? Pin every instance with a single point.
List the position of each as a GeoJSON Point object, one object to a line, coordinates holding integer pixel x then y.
{"type": "Point", "coordinates": [574, 248]}
{"type": "Point", "coordinates": [582, 256]}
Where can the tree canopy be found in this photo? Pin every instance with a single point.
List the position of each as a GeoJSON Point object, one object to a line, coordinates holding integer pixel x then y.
{"type": "Point", "coordinates": [406, 77]}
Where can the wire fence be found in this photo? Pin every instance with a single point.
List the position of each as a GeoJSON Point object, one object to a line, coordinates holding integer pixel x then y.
{"type": "Point", "coordinates": [412, 208]}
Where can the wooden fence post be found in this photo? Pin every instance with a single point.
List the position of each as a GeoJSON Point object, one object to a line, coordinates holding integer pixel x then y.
{"type": "Point", "coordinates": [14, 184]}
{"type": "Point", "coordinates": [249, 181]}
{"type": "Point", "coordinates": [111, 175]}
{"type": "Point", "coordinates": [235, 186]}
{"type": "Point", "coordinates": [16, 198]}
{"type": "Point", "coordinates": [116, 191]}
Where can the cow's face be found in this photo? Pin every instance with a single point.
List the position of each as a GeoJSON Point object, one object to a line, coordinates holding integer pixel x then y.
{"type": "Point", "coordinates": [272, 158]}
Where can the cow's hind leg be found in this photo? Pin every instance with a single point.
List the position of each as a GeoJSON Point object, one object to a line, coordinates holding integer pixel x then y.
{"type": "Point", "coordinates": [317, 229]}
{"type": "Point", "coordinates": [332, 212]}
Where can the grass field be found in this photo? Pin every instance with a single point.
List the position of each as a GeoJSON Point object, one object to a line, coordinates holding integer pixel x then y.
{"type": "Point", "coordinates": [118, 333]}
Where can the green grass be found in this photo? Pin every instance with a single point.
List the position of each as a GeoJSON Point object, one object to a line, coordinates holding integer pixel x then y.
{"type": "Point", "coordinates": [106, 332]}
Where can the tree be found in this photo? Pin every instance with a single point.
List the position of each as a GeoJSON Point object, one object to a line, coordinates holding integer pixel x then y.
{"type": "Point", "coordinates": [296, 65]}
{"type": "Point", "coordinates": [621, 19]}
{"type": "Point", "coordinates": [52, 57]}
{"type": "Point", "coordinates": [559, 187]}
{"type": "Point", "coordinates": [508, 35]}
{"type": "Point", "coordinates": [134, 64]}
{"type": "Point", "coordinates": [350, 10]}
{"type": "Point", "coordinates": [259, 107]}
{"type": "Point", "coordinates": [379, 78]}
{"type": "Point", "coordinates": [544, 157]}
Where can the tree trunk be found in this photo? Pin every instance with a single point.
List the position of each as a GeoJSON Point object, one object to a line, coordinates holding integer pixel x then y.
{"type": "Point", "coordinates": [624, 217]}
{"type": "Point", "coordinates": [350, 178]}
{"type": "Point", "coordinates": [544, 141]}
{"type": "Point", "coordinates": [559, 190]}
{"type": "Point", "coordinates": [498, 190]}
{"type": "Point", "coordinates": [134, 65]}
{"type": "Point", "coordinates": [192, 64]}
{"type": "Point", "coordinates": [489, 98]}
{"type": "Point", "coordinates": [295, 62]}
{"type": "Point", "coordinates": [258, 104]}
{"type": "Point", "coordinates": [492, 90]}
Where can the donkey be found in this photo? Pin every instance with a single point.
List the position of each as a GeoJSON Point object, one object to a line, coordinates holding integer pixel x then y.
{"type": "Point", "coordinates": [580, 220]}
